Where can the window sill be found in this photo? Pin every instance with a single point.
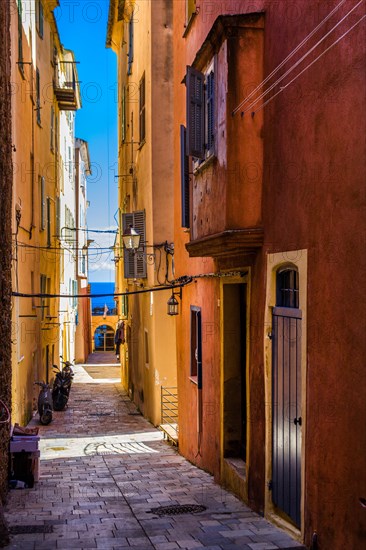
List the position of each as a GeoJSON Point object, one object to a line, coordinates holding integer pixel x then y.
{"type": "Point", "coordinates": [189, 24]}
{"type": "Point", "coordinates": [204, 164]}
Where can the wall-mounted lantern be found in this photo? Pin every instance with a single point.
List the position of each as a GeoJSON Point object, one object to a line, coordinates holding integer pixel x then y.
{"type": "Point", "coordinates": [173, 304]}
{"type": "Point", "coordinates": [131, 239]}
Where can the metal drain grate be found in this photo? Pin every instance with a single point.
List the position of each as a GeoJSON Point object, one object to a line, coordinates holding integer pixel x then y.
{"type": "Point", "coordinates": [176, 509]}
{"type": "Point", "coordinates": [100, 414]}
{"type": "Point", "coordinates": [28, 529]}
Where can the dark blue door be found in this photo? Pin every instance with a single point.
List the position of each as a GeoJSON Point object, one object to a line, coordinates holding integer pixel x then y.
{"type": "Point", "coordinates": [286, 411]}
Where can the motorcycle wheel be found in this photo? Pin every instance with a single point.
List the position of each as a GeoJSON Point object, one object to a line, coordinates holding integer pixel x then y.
{"type": "Point", "coordinates": [46, 416]}
{"type": "Point", "coordinates": [60, 402]}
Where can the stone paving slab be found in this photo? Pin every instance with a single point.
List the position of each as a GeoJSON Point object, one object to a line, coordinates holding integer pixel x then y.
{"type": "Point", "coordinates": [102, 474]}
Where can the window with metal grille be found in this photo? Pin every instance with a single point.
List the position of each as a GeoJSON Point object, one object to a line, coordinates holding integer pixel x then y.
{"type": "Point", "coordinates": [142, 119]}
{"type": "Point", "coordinates": [287, 288]}
{"type": "Point", "coordinates": [135, 262]}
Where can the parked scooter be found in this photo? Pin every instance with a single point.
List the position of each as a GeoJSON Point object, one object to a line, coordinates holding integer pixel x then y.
{"type": "Point", "coordinates": [44, 403]}
{"type": "Point", "coordinates": [62, 385]}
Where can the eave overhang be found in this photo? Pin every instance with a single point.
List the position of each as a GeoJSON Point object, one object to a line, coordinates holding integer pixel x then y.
{"type": "Point", "coordinates": [230, 242]}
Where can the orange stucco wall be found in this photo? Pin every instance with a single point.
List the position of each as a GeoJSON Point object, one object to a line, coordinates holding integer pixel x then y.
{"type": "Point", "coordinates": [307, 191]}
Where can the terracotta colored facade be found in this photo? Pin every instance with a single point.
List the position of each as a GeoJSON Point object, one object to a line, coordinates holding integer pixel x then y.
{"type": "Point", "coordinates": [271, 388]}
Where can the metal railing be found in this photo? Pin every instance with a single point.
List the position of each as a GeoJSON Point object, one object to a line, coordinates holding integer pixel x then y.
{"type": "Point", "coordinates": [169, 413]}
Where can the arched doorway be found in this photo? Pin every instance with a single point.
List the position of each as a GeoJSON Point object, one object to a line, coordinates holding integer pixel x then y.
{"type": "Point", "coordinates": [104, 338]}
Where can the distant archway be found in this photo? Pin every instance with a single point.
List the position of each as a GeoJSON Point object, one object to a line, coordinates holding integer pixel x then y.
{"type": "Point", "coordinates": [104, 338]}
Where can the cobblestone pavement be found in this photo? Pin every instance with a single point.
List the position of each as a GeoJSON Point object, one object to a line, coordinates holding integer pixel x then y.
{"type": "Point", "coordinates": [104, 467]}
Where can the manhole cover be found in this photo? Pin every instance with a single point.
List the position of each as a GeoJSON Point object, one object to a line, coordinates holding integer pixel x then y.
{"type": "Point", "coordinates": [27, 529]}
{"type": "Point", "coordinates": [176, 509]}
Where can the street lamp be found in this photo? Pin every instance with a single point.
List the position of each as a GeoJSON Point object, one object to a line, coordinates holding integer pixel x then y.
{"type": "Point", "coordinates": [173, 304]}
{"type": "Point", "coordinates": [131, 239]}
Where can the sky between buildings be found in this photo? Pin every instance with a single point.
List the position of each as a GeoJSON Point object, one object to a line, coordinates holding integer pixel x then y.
{"type": "Point", "coordinates": [82, 26]}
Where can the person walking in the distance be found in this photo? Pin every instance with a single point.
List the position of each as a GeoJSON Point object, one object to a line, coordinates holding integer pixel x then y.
{"type": "Point", "coordinates": [119, 337]}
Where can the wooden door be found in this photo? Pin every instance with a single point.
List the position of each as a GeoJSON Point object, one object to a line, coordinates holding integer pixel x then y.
{"type": "Point", "coordinates": [286, 411]}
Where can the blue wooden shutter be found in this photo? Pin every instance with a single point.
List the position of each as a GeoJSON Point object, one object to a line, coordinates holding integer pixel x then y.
{"type": "Point", "coordinates": [184, 172]}
{"type": "Point", "coordinates": [195, 113]}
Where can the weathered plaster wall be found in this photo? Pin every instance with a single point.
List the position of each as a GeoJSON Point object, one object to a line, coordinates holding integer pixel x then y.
{"type": "Point", "coordinates": [313, 198]}
{"type": "Point", "coordinates": [5, 232]}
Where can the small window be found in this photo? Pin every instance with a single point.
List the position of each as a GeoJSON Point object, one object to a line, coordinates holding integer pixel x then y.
{"type": "Point", "coordinates": [287, 288]}
{"type": "Point", "coordinates": [52, 129]}
{"type": "Point", "coordinates": [123, 114]}
{"type": "Point", "coordinates": [43, 288]}
{"type": "Point", "coordinates": [130, 46]}
{"type": "Point", "coordinates": [38, 96]}
{"type": "Point", "coordinates": [147, 359]}
{"type": "Point", "coordinates": [39, 18]}
{"type": "Point", "coordinates": [196, 346]}
{"type": "Point", "coordinates": [142, 119]}
{"type": "Point", "coordinates": [42, 194]}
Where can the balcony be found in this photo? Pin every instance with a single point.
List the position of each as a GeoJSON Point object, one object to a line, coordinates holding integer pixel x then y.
{"type": "Point", "coordinates": [65, 87]}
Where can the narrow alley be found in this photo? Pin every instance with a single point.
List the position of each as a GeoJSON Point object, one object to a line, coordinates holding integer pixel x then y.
{"type": "Point", "coordinates": [104, 469]}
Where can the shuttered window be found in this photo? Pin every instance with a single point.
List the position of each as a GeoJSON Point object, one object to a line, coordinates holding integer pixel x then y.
{"type": "Point", "coordinates": [200, 113]}
{"type": "Point", "coordinates": [39, 18]}
{"type": "Point", "coordinates": [135, 263]}
{"type": "Point", "coordinates": [195, 113]}
{"type": "Point", "coordinates": [184, 170]}
{"type": "Point", "coordinates": [52, 129]}
{"type": "Point", "coordinates": [130, 46]}
{"type": "Point", "coordinates": [48, 221]}
{"type": "Point", "coordinates": [20, 38]}
{"type": "Point", "coordinates": [142, 118]}
{"type": "Point", "coordinates": [38, 96]}
{"type": "Point", "coordinates": [210, 116]}
{"type": "Point", "coordinates": [42, 194]}
{"type": "Point", "coordinates": [123, 114]}
{"type": "Point", "coordinates": [58, 214]}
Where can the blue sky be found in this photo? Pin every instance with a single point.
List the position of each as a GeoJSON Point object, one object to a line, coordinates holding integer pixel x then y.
{"type": "Point", "coordinates": [82, 26]}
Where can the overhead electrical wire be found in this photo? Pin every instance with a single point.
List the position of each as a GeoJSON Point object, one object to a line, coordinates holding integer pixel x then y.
{"type": "Point", "coordinates": [261, 96]}
{"type": "Point", "coordinates": [308, 66]}
{"type": "Point", "coordinates": [288, 57]}
{"type": "Point", "coordinates": [180, 282]}
{"type": "Point", "coordinates": [246, 99]}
